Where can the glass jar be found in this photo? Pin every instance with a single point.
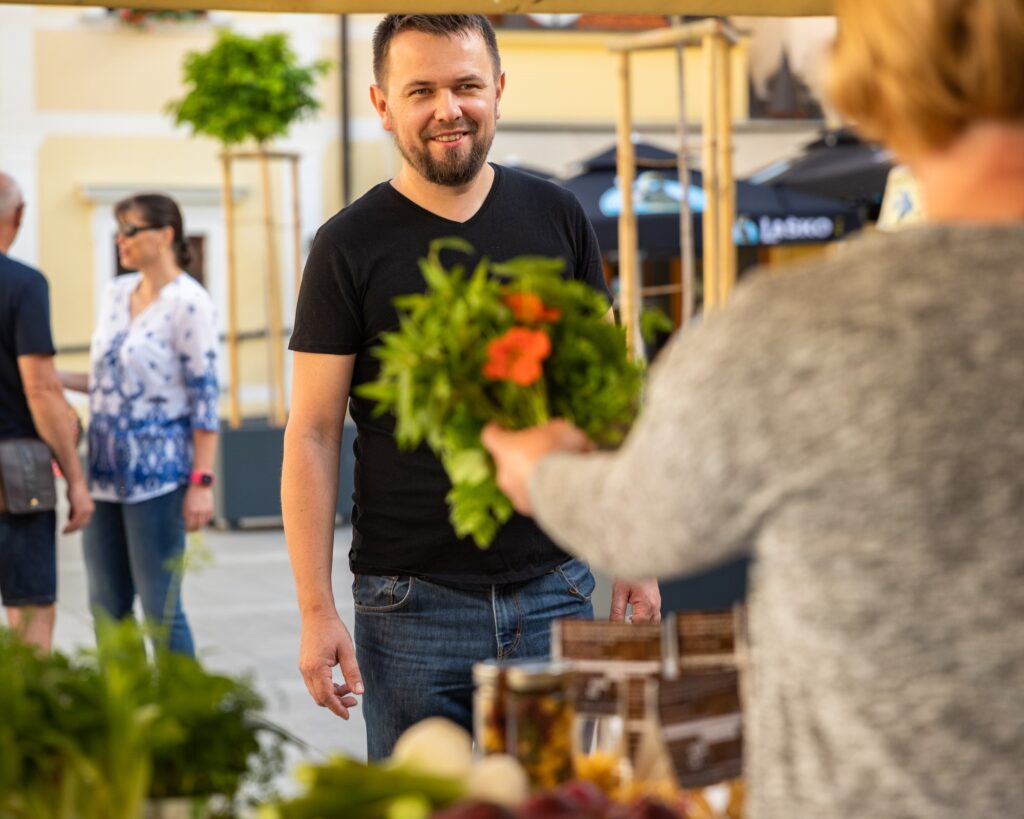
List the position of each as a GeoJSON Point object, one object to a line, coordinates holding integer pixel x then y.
{"type": "Point", "coordinates": [599, 736]}
{"type": "Point", "coordinates": [539, 717]}
{"type": "Point", "coordinates": [489, 708]}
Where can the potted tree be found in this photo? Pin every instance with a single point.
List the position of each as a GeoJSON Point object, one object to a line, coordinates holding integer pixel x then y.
{"type": "Point", "coordinates": [247, 89]}
{"type": "Point", "coordinates": [245, 92]}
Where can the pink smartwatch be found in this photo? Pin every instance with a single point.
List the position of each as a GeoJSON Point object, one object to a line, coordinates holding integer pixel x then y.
{"type": "Point", "coordinates": [200, 478]}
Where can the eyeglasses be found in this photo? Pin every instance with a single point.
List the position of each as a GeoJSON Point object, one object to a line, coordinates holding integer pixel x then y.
{"type": "Point", "coordinates": [130, 230]}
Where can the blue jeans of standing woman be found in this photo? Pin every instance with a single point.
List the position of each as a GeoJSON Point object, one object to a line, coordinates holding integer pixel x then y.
{"type": "Point", "coordinates": [416, 641]}
{"type": "Point", "coordinates": [136, 548]}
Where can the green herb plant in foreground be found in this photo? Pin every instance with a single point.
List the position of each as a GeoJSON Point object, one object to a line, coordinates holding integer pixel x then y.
{"type": "Point", "coordinates": [511, 342]}
{"type": "Point", "coordinates": [95, 735]}
{"type": "Point", "coordinates": [356, 790]}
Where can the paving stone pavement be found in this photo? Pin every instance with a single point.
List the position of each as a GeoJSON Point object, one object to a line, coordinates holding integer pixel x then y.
{"type": "Point", "coordinates": [244, 617]}
{"type": "Point", "coordinates": [241, 604]}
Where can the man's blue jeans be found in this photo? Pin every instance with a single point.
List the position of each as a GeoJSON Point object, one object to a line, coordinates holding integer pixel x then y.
{"type": "Point", "coordinates": [135, 547]}
{"type": "Point", "coordinates": [416, 641]}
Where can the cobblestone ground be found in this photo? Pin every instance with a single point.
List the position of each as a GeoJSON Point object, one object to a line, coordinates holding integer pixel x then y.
{"type": "Point", "coordinates": [242, 608]}
{"type": "Point", "coordinates": [241, 604]}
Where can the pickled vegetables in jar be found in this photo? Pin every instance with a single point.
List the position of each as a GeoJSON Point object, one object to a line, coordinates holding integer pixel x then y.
{"type": "Point", "coordinates": [489, 708]}
{"type": "Point", "coordinates": [539, 714]}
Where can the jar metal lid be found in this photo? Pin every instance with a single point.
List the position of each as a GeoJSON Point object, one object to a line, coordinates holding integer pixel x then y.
{"type": "Point", "coordinates": [538, 675]}
{"type": "Point", "coordinates": [488, 672]}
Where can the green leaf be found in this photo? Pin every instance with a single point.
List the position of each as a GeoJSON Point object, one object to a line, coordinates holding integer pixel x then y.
{"type": "Point", "coordinates": [654, 322]}
{"type": "Point", "coordinates": [468, 466]}
{"type": "Point", "coordinates": [448, 243]}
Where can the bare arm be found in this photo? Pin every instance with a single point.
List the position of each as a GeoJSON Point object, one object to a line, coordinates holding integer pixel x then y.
{"type": "Point", "coordinates": [309, 491]}
{"type": "Point", "coordinates": [76, 382]}
{"type": "Point", "coordinates": [204, 447]}
{"type": "Point", "coordinates": [197, 507]}
{"type": "Point", "coordinates": [54, 423]}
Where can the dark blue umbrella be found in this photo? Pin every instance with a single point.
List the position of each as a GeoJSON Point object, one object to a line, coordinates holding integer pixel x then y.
{"type": "Point", "coordinates": [516, 165]}
{"type": "Point", "coordinates": [766, 215]}
{"type": "Point", "coordinates": [838, 165]}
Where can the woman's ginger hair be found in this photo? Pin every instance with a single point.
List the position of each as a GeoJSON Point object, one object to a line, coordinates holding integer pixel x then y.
{"type": "Point", "coordinates": [915, 73]}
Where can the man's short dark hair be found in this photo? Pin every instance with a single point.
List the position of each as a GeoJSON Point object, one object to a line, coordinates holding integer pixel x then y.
{"type": "Point", "coordinates": [444, 25]}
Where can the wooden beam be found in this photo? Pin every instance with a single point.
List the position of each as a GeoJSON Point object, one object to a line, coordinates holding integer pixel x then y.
{"type": "Point", "coordinates": [629, 277]}
{"type": "Point", "coordinates": [234, 371]}
{"type": "Point", "coordinates": [709, 168]}
{"type": "Point", "coordinates": [685, 304]}
{"type": "Point", "coordinates": [296, 225]}
{"type": "Point", "coordinates": [684, 34]}
{"type": "Point", "coordinates": [763, 8]}
{"type": "Point", "coordinates": [725, 200]}
{"type": "Point", "coordinates": [275, 330]}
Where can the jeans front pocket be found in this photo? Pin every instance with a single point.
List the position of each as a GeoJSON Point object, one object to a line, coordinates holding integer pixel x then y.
{"type": "Point", "coordinates": [374, 593]}
{"type": "Point", "coordinates": [578, 579]}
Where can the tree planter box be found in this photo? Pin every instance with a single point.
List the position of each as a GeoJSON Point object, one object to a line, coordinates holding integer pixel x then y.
{"type": "Point", "coordinates": [248, 468]}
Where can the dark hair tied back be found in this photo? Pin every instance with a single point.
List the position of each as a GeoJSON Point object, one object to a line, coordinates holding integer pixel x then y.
{"type": "Point", "coordinates": [182, 252]}
{"type": "Point", "coordinates": [157, 209]}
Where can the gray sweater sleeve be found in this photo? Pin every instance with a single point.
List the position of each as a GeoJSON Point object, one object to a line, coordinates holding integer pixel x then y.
{"type": "Point", "coordinates": [857, 422]}
{"type": "Point", "coordinates": [683, 492]}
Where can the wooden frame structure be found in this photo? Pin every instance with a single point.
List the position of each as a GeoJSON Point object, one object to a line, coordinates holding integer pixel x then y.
{"type": "Point", "coordinates": [715, 38]}
{"type": "Point", "coordinates": [764, 8]}
{"type": "Point", "coordinates": [275, 327]}
{"type": "Point", "coordinates": [712, 35]}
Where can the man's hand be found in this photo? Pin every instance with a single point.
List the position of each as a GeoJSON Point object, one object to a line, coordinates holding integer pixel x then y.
{"type": "Point", "coordinates": [325, 644]}
{"type": "Point", "coordinates": [644, 595]}
{"type": "Point", "coordinates": [516, 454]}
{"type": "Point", "coordinates": [197, 508]}
{"type": "Point", "coordinates": [81, 507]}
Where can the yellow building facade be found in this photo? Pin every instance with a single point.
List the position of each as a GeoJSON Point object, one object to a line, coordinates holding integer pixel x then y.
{"type": "Point", "coordinates": [83, 124]}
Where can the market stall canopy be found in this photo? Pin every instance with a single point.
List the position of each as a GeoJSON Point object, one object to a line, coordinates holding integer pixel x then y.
{"type": "Point", "coordinates": [838, 165]}
{"type": "Point", "coordinates": [765, 8]}
{"type": "Point", "coordinates": [765, 215]}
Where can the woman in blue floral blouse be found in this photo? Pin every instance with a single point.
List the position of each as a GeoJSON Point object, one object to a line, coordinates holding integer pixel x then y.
{"type": "Point", "coordinates": [153, 420]}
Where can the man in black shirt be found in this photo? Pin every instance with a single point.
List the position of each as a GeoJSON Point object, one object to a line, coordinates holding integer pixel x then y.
{"type": "Point", "coordinates": [428, 604]}
{"type": "Point", "coordinates": [32, 405]}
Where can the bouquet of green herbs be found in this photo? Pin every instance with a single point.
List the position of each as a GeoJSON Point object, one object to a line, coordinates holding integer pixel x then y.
{"type": "Point", "coordinates": [511, 342]}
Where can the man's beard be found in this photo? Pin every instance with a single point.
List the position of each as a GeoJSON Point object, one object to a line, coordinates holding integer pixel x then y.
{"type": "Point", "coordinates": [455, 169]}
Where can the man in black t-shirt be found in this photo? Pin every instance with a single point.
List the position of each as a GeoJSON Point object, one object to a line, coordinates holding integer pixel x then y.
{"type": "Point", "coordinates": [428, 604]}
{"type": "Point", "coordinates": [32, 405]}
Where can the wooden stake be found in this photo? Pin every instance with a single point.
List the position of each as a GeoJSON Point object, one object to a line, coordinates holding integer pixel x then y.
{"type": "Point", "coordinates": [686, 33]}
{"type": "Point", "coordinates": [685, 215]}
{"type": "Point", "coordinates": [710, 169]}
{"type": "Point", "coordinates": [296, 222]}
{"type": "Point", "coordinates": [227, 202]}
{"type": "Point", "coordinates": [629, 304]}
{"type": "Point", "coordinates": [726, 183]}
{"type": "Point", "coordinates": [274, 328]}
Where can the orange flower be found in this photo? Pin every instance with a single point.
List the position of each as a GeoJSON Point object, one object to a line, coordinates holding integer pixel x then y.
{"type": "Point", "coordinates": [517, 356]}
{"type": "Point", "coordinates": [529, 309]}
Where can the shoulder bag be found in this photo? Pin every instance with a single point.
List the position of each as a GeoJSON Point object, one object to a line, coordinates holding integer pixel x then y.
{"type": "Point", "coordinates": [26, 477]}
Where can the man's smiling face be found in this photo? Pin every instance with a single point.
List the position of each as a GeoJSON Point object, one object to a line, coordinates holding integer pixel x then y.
{"type": "Point", "coordinates": [439, 98]}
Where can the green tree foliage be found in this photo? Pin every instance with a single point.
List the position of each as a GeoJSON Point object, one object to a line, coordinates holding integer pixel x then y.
{"type": "Point", "coordinates": [246, 88]}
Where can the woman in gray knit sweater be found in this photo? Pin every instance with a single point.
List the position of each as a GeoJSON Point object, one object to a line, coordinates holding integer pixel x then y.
{"type": "Point", "coordinates": [858, 425]}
